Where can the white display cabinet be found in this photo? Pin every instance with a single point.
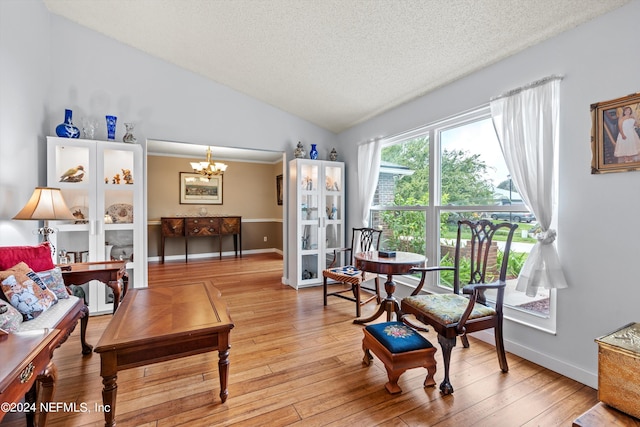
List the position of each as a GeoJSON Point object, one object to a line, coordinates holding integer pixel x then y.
{"type": "Point", "coordinates": [316, 218]}
{"type": "Point", "coordinates": [103, 185]}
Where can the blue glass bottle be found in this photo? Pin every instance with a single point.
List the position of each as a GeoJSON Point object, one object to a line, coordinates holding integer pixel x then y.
{"type": "Point", "coordinates": [67, 129]}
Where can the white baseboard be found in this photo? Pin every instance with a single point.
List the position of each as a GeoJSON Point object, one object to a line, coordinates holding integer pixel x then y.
{"type": "Point", "coordinates": [556, 365]}
{"type": "Point", "coordinates": [213, 254]}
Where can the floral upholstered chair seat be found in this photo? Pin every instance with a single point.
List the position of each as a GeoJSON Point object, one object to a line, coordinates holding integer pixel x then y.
{"type": "Point", "coordinates": [447, 308]}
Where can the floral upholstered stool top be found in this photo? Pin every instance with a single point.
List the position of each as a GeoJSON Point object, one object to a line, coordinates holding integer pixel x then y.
{"type": "Point", "coordinates": [399, 347]}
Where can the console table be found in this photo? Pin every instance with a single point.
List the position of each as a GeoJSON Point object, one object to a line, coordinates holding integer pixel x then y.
{"type": "Point", "coordinates": [202, 226]}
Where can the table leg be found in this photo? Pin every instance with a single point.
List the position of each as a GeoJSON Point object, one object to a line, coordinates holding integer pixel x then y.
{"type": "Point", "coordinates": [109, 373]}
{"type": "Point", "coordinates": [47, 380]}
{"type": "Point", "coordinates": [162, 241]}
{"type": "Point", "coordinates": [389, 304]}
{"type": "Point", "coordinates": [223, 371]}
{"type": "Point", "coordinates": [118, 290]}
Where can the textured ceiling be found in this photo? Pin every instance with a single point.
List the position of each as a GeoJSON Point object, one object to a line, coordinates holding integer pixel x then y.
{"type": "Point", "coordinates": [334, 63]}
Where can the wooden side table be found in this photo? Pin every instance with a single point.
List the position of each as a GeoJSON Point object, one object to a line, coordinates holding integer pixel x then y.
{"type": "Point", "coordinates": [26, 357]}
{"type": "Point", "coordinates": [108, 272]}
{"type": "Point", "coordinates": [401, 263]}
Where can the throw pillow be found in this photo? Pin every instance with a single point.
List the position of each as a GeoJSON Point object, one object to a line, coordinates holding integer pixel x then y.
{"type": "Point", "coordinates": [26, 291]}
{"type": "Point", "coordinates": [10, 318]}
{"type": "Point", "coordinates": [54, 281]}
{"type": "Point", "coordinates": [37, 257]}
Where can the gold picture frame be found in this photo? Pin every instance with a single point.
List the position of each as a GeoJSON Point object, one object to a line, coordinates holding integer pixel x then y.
{"type": "Point", "coordinates": [196, 189]}
{"type": "Point", "coordinates": [615, 135]}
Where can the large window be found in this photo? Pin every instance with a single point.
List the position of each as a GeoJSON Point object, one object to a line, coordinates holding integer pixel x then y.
{"type": "Point", "coordinates": [431, 177]}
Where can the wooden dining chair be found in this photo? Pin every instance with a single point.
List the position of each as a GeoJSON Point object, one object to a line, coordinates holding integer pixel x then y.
{"type": "Point", "coordinates": [458, 313]}
{"type": "Point", "coordinates": [342, 272]}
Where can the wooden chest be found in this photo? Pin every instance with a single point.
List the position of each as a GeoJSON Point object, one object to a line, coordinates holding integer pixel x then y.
{"type": "Point", "coordinates": [619, 369]}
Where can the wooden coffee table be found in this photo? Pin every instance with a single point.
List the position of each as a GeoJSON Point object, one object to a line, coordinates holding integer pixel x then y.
{"type": "Point", "coordinates": [163, 323]}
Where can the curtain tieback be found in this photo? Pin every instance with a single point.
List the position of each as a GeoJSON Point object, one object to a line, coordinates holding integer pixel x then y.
{"type": "Point", "coordinates": [547, 237]}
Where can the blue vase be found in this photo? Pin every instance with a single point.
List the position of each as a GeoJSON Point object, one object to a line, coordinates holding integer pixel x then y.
{"type": "Point", "coordinates": [314, 152]}
{"type": "Point", "coordinates": [67, 129]}
{"type": "Point", "coordinates": [111, 127]}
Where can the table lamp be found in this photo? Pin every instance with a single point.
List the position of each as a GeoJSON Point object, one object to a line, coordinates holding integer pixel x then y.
{"type": "Point", "coordinates": [45, 204]}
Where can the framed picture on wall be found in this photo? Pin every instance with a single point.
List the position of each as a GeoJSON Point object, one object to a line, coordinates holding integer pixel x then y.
{"type": "Point", "coordinates": [196, 189]}
{"type": "Point", "coordinates": [615, 135]}
{"type": "Point", "coordinates": [279, 189]}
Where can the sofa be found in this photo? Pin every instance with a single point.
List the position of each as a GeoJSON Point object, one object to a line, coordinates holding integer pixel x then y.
{"type": "Point", "coordinates": [46, 301]}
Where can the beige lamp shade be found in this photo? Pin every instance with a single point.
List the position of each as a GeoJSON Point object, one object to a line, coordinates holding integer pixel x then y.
{"type": "Point", "coordinates": [45, 204]}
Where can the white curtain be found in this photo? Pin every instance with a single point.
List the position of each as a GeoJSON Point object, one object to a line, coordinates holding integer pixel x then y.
{"type": "Point", "coordinates": [526, 121]}
{"type": "Point", "coordinates": [368, 170]}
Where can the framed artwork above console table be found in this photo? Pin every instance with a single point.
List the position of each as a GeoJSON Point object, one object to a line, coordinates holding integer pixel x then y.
{"type": "Point", "coordinates": [202, 226]}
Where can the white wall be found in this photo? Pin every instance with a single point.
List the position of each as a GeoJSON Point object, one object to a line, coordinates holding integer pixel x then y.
{"type": "Point", "coordinates": [598, 236]}
{"type": "Point", "coordinates": [24, 86]}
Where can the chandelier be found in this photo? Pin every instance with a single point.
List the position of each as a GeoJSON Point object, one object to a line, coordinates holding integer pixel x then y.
{"type": "Point", "coordinates": [209, 168]}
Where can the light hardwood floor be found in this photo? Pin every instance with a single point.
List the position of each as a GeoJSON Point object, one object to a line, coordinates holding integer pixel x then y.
{"type": "Point", "coordinates": [296, 362]}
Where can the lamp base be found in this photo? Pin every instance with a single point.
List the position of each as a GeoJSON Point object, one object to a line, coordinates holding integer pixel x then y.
{"type": "Point", "coordinates": [45, 232]}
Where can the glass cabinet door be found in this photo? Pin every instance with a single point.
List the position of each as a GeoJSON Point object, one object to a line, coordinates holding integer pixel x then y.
{"type": "Point", "coordinates": [73, 168]}
{"type": "Point", "coordinates": [117, 202]}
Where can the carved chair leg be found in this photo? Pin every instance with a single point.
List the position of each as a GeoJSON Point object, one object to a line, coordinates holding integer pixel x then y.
{"type": "Point", "coordinates": [356, 296]}
{"type": "Point", "coordinates": [84, 321]}
{"type": "Point", "coordinates": [447, 345]}
{"type": "Point", "coordinates": [502, 357]}
{"type": "Point", "coordinates": [378, 299]}
{"type": "Point", "coordinates": [465, 341]}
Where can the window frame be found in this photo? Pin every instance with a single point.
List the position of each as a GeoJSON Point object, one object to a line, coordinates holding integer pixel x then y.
{"type": "Point", "coordinates": [434, 210]}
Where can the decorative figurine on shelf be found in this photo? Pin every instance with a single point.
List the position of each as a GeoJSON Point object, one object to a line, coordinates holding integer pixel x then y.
{"type": "Point", "coordinates": [79, 216]}
{"type": "Point", "coordinates": [128, 136]}
{"type": "Point", "coordinates": [116, 179]}
{"type": "Point", "coordinates": [126, 176]}
{"type": "Point", "coordinates": [299, 152]}
{"type": "Point", "coordinates": [111, 127]}
{"type": "Point", "coordinates": [329, 183]}
{"type": "Point", "coordinates": [333, 155]}
{"type": "Point", "coordinates": [67, 129]}
{"type": "Point", "coordinates": [313, 154]}
{"type": "Point", "coordinates": [73, 175]}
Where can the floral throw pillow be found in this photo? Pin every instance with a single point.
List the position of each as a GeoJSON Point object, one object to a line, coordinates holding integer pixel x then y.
{"type": "Point", "coordinates": [26, 291]}
{"type": "Point", "coordinates": [10, 318]}
{"type": "Point", "coordinates": [54, 281]}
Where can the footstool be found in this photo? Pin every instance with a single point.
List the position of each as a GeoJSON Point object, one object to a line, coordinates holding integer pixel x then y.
{"type": "Point", "coordinates": [400, 348]}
